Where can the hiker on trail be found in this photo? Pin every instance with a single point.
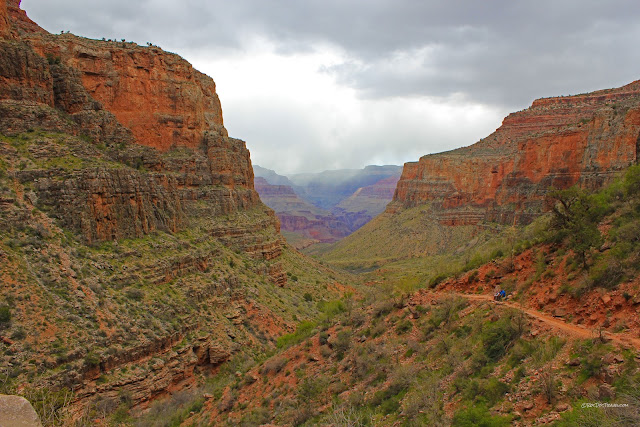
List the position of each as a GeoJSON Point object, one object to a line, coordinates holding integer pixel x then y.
{"type": "Point", "coordinates": [499, 294]}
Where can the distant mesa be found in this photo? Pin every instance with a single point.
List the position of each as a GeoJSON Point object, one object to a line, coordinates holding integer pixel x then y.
{"type": "Point", "coordinates": [327, 206]}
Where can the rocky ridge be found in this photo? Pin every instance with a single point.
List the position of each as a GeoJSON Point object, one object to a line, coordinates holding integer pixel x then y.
{"type": "Point", "coordinates": [448, 202]}
{"type": "Point", "coordinates": [584, 139]}
{"type": "Point", "coordinates": [112, 211]}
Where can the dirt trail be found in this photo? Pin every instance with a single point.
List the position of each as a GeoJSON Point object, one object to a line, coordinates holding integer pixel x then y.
{"type": "Point", "coordinates": [569, 328]}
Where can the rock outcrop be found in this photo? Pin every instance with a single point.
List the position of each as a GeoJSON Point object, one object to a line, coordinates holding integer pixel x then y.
{"type": "Point", "coordinates": [117, 93]}
{"type": "Point", "coordinates": [16, 411]}
{"type": "Point", "coordinates": [557, 142]}
{"type": "Point", "coordinates": [158, 95]}
{"type": "Point", "coordinates": [136, 244]}
{"type": "Point", "coordinates": [448, 203]}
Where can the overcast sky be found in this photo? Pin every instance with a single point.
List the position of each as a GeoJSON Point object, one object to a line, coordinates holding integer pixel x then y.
{"type": "Point", "coordinates": [325, 84]}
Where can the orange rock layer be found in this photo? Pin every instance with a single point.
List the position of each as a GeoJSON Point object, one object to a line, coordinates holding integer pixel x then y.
{"type": "Point", "coordinates": [557, 142]}
{"type": "Point", "coordinates": [116, 94]}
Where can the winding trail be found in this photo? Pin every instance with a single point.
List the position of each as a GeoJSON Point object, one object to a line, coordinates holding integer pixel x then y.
{"type": "Point", "coordinates": [576, 331]}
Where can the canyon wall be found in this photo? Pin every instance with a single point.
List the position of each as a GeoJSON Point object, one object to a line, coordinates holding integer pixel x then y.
{"type": "Point", "coordinates": [134, 247]}
{"type": "Point", "coordinates": [123, 96]}
{"type": "Point", "coordinates": [557, 142]}
{"type": "Point", "coordinates": [351, 198]}
{"type": "Point", "coordinates": [451, 202]}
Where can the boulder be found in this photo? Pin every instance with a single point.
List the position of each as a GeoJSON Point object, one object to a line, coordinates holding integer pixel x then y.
{"type": "Point", "coordinates": [16, 411]}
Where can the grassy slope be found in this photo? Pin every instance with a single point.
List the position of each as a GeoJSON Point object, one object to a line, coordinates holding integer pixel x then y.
{"type": "Point", "coordinates": [66, 306]}
{"type": "Point", "coordinates": [426, 360]}
{"type": "Point", "coordinates": [393, 236]}
{"type": "Point", "coordinates": [429, 359]}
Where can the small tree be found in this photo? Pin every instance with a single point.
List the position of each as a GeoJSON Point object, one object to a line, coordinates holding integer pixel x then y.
{"type": "Point", "coordinates": [575, 217]}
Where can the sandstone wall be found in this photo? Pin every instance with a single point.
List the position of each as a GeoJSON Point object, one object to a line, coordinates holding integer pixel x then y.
{"type": "Point", "coordinates": [155, 151]}
{"type": "Point", "coordinates": [585, 140]}
{"type": "Point", "coordinates": [158, 95]}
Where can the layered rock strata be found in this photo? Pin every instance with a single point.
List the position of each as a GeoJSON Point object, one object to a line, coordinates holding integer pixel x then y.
{"type": "Point", "coordinates": [117, 93]}
{"type": "Point", "coordinates": [131, 225]}
{"type": "Point", "coordinates": [557, 142]}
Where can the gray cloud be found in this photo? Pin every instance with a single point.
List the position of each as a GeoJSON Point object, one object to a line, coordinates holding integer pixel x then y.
{"type": "Point", "coordinates": [502, 52]}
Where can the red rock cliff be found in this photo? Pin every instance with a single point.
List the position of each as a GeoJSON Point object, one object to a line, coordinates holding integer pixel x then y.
{"type": "Point", "coordinates": [158, 95]}
{"type": "Point", "coordinates": [123, 96]}
{"type": "Point", "coordinates": [584, 139]}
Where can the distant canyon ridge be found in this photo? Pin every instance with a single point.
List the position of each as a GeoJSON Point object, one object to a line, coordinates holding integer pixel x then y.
{"type": "Point", "coordinates": [327, 206]}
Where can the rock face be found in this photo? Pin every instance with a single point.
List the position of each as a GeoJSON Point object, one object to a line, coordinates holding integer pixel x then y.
{"type": "Point", "coordinates": [584, 139]}
{"type": "Point", "coordinates": [16, 411]}
{"type": "Point", "coordinates": [158, 95]}
{"type": "Point", "coordinates": [123, 197]}
{"type": "Point", "coordinates": [454, 201]}
{"type": "Point", "coordinates": [117, 93]}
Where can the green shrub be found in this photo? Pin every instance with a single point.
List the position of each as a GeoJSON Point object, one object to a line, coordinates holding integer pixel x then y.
{"type": "Point", "coordinates": [497, 338]}
{"type": "Point", "coordinates": [331, 308]}
{"type": "Point", "coordinates": [606, 274]}
{"type": "Point", "coordinates": [387, 401]}
{"type": "Point", "coordinates": [447, 311]}
{"type": "Point", "coordinates": [576, 215]}
{"type": "Point", "coordinates": [497, 253]}
{"type": "Point", "coordinates": [307, 297]}
{"type": "Point", "coordinates": [474, 263]}
{"type": "Point", "coordinates": [478, 416]}
{"type": "Point", "coordinates": [5, 314]}
{"type": "Point", "coordinates": [383, 308]}
{"type": "Point", "coordinates": [404, 326]}
{"type": "Point", "coordinates": [92, 359]}
{"type": "Point", "coordinates": [485, 391]}
{"type": "Point", "coordinates": [342, 343]}
{"type": "Point", "coordinates": [257, 417]}
{"type": "Point", "coordinates": [323, 338]}
{"type": "Point", "coordinates": [436, 280]}
{"type": "Point", "coordinates": [303, 330]}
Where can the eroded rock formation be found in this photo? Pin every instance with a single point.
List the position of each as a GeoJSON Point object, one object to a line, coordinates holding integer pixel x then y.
{"type": "Point", "coordinates": [557, 142]}
{"type": "Point", "coordinates": [104, 144]}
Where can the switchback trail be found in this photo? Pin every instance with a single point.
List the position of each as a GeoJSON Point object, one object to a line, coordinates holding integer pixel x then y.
{"type": "Point", "coordinates": [576, 331]}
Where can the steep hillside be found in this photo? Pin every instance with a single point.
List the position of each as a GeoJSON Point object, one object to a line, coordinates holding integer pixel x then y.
{"type": "Point", "coordinates": [448, 199]}
{"type": "Point", "coordinates": [561, 350]}
{"type": "Point", "coordinates": [136, 256]}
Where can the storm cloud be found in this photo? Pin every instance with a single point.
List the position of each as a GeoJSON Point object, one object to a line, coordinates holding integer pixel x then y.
{"type": "Point", "coordinates": [347, 83]}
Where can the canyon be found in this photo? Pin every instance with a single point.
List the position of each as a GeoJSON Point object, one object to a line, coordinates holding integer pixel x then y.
{"type": "Point", "coordinates": [328, 206]}
{"type": "Point", "coordinates": [150, 272]}
{"type": "Point", "coordinates": [446, 200]}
